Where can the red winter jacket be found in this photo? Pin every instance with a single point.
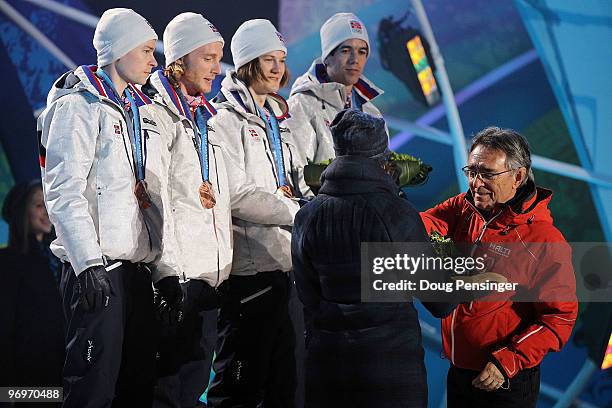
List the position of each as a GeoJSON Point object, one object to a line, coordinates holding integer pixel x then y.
{"type": "Point", "coordinates": [513, 335]}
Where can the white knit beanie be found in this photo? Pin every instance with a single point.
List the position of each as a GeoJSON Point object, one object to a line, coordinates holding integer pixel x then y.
{"type": "Point", "coordinates": [118, 32]}
{"type": "Point", "coordinates": [253, 39]}
{"type": "Point", "coordinates": [339, 28]}
{"type": "Point", "coordinates": [187, 32]}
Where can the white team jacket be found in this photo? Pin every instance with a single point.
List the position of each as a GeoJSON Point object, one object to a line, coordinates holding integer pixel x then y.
{"type": "Point", "coordinates": [262, 239]}
{"type": "Point", "coordinates": [88, 176]}
{"type": "Point", "coordinates": [199, 239]}
{"type": "Point", "coordinates": [315, 102]}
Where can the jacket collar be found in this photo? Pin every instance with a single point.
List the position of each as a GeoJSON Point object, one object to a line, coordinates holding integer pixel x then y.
{"type": "Point", "coordinates": [96, 86]}
{"type": "Point", "coordinates": [317, 82]}
{"type": "Point", "coordinates": [82, 79]}
{"type": "Point", "coordinates": [356, 175]}
{"type": "Point", "coordinates": [159, 86]}
{"type": "Point", "coordinates": [234, 94]}
{"type": "Point", "coordinates": [529, 204]}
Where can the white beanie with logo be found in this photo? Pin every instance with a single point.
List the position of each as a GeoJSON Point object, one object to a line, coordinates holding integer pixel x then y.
{"type": "Point", "coordinates": [118, 32]}
{"type": "Point", "coordinates": [186, 33]}
{"type": "Point", "coordinates": [339, 28]}
{"type": "Point", "coordinates": [253, 39]}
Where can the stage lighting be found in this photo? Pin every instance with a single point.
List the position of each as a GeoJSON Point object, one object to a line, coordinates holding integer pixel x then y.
{"type": "Point", "coordinates": [405, 53]}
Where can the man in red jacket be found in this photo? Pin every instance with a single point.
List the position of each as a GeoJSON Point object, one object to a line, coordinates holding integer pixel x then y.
{"type": "Point", "coordinates": [495, 346]}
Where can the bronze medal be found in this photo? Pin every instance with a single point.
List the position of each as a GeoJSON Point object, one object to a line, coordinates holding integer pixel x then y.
{"type": "Point", "coordinates": [142, 195]}
{"type": "Point", "coordinates": [286, 191]}
{"type": "Point", "coordinates": [207, 195]}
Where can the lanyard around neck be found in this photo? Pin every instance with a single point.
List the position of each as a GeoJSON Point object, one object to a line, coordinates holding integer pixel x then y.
{"type": "Point", "coordinates": [273, 133]}
{"type": "Point", "coordinates": [136, 140]}
{"type": "Point", "coordinates": [202, 142]}
{"type": "Point", "coordinates": [200, 129]}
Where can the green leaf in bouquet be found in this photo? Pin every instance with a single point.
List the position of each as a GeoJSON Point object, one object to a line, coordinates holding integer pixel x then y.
{"type": "Point", "coordinates": [412, 171]}
{"type": "Point", "coordinates": [443, 247]}
{"type": "Point", "coordinates": [312, 174]}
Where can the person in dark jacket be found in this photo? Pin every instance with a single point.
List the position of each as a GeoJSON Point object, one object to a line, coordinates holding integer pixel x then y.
{"type": "Point", "coordinates": [357, 354]}
{"type": "Point", "coordinates": [31, 320]}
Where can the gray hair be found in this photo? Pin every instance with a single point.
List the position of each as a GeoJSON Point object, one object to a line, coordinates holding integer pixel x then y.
{"type": "Point", "coordinates": [516, 147]}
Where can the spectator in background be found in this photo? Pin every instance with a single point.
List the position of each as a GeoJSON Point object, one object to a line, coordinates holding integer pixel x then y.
{"type": "Point", "coordinates": [31, 320]}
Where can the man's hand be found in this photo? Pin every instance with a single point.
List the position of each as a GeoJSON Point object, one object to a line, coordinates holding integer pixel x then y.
{"type": "Point", "coordinates": [169, 300]}
{"type": "Point", "coordinates": [95, 288]}
{"type": "Point", "coordinates": [489, 379]}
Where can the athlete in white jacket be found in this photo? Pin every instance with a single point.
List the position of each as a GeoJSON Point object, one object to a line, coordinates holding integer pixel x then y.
{"type": "Point", "coordinates": [93, 158]}
{"type": "Point", "coordinates": [334, 82]}
{"type": "Point", "coordinates": [255, 363]}
{"type": "Point", "coordinates": [194, 186]}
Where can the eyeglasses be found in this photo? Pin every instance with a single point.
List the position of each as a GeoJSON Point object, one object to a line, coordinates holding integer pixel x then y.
{"type": "Point", "coordinates": [472, 174]}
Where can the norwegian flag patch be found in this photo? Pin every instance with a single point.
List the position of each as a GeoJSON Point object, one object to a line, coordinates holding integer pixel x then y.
{"type": "Point", "coordinates": [356, 26]}
{"type": "Point", "coordinates": [254, 135]}
{"type": "Point", "coordinates": [117, 129]}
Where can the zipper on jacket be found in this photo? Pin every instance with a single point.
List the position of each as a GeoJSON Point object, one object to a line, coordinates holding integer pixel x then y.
{"type": "Point", "coordinates": [215, 222]}
{"type": "Point", "coordinates": [214, 216]}
{"type": "Point", "coordinates": [268, 150]}
{"type": "Point", "coordinates": [215, 219]}
{"type": "Point", "coordinates": [127, 153]}
{"type": "Point", "coordinates": [294, 178]}
{"type": "Point", "coordinates": [216, 239]}
{"type": "Point", "coordinates": [216, 167]}
{"type": "Point", "coordinates": [484, 228]}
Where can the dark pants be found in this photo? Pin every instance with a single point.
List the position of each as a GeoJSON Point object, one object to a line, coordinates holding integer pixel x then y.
{"type": "Point", "coordinates": [185, 356]}
{"type": "Point", "coordinates": [522, 392]}
{"type": "Point", "coordinates": [255, 363]}
{"type": "Point", "coordinates": [352, 362]}
{"type": "Point", "coordinates": [110, 354]}
{"type": "Point", "coordinates": [296, 313]}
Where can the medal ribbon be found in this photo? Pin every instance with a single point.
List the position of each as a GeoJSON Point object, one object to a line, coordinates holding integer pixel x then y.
{"type": "Point", "coordinates": [137, 139]}
{"type": "Point", "coordinates": [273, 134]}
{"type": "Point", "coordinates": [202, 141]}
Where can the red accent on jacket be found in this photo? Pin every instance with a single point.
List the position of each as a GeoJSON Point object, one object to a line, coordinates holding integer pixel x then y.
{"type": "Point", "coordinates": [511, 334]}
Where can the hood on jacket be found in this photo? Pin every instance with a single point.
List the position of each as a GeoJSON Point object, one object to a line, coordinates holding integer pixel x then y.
{"type": "Point", "coordinates": [316, 81]}
{"type": "Point", "coordinates": [529, 205]}
{"type": "Point", "coordinates": [235, 95]}
{"type": "Point", "coordinates": [159, 88]}
{"type": "Point", "coordinates": [84, 79]}
{"type": "Point", "coordinates": [356, 175]}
